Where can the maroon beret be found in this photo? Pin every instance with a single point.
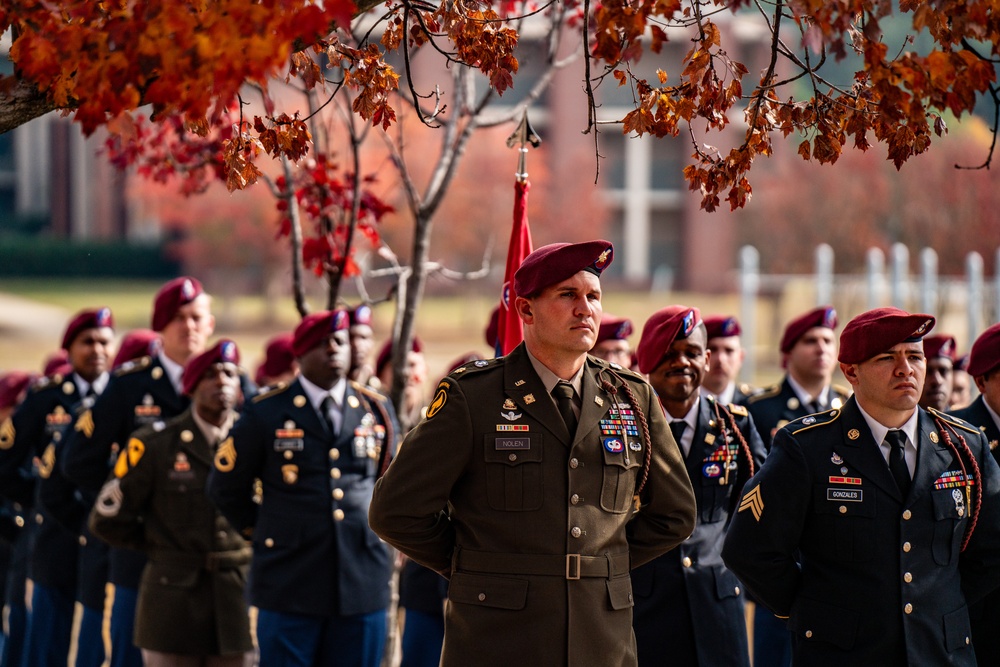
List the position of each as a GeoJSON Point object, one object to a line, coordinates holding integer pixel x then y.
{"type": "Point", "coordinates": [614, 328]}
{"type": "Point", "coordinates": [492, 328]}
{"type": "Point", "coordinates": [941, 345]}
{"type": "Point", "coordinates": [382, 360]}
{"type": "Point", "coordinates": [278, 358]}
{"type": "Point", "coordinates": [985, 353]}
{"type": "Point", "coordinates": [87, 319]}
{"type": "Point", "coordinates": [55, 362]}
{"type": "Point", "coordinates": [962, 363]}
{"type": "Point", "coordinates": [661, 329]}
{"type": "Point", "coordinates": [12, 386]}
{"type": "Point", "coordinates": [361, 315]}
{"type": "Point", "coordinates": [875, 331]}
{"type": "Point", "coordinates": [223, 351]}
{"type": "Point", "coordinates": [316, 328]}
{"type": "Point", "coordinates": [722, 326]}
{"type": "Point", "coordinates": [824, 316]}
{"type": "Point", "coordinates": [136, 343]}
{"type": "Point", "coordinates": [553, 263]}
{"type": "Point", "coordinates": [176, 293]}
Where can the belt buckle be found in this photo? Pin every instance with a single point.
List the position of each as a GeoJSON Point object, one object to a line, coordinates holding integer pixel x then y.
{"type": "Point", "coordinates": [572, 567]}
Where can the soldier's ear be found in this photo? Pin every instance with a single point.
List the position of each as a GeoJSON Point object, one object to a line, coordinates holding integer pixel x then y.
{"type": "Point", "coordinates": [523, 308]}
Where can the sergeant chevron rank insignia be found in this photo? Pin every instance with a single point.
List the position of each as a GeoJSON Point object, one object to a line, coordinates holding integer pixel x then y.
{"type": "Point", "coordinates": [754, 502]}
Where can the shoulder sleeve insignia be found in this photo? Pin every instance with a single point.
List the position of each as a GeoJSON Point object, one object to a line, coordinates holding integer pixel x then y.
{"type": "Point", "coordinates": [133, 366]}
{"type": "Point", "coordinates": [128, 458]}
{"type": "Point", "coordinates": [225, 457]}
{"type": "Point", "coordinates": [85, 423]}
{"type": "Point", "coordinates": [754, 502]}
{"type": "Point", "coordinates": [7, 434]}
{"type": "Point", "coordinates": [440, 398]}
{"type": "Point", "coordinates": [273, 391]}
{"type": "Point", "coordinates": [738, 410]}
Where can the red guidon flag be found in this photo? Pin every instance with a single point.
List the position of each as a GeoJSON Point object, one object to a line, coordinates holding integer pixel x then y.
{"type": "Point", "coordinates": [509, 332]}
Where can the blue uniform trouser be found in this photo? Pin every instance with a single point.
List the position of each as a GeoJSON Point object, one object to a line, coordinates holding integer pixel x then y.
{"type": "Point", "coordinates": [294, 640]}
{"type": "Point", "coordinates": [423, 636]}
{"type": "Point", "coordinates": [17, 626]}
{"type": "Point", "coordinates": [50, 625]}
{"type": "Point", "coordinates": [124, 652]}
{"type": "Point", "coordinates": [772, 642]}
{"type": "Point", "coordinates": [90, 639]}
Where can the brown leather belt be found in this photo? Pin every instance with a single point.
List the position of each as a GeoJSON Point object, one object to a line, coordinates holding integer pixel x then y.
{"type": "Point", "coordinates": [569, 566]}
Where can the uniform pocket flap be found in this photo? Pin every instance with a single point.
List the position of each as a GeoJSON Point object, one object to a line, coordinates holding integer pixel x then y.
{"type": "Point", "coordinates": [957, 630]}
{"type": "Point", "coordinates": [815, 621]}
{"type": "Point", "coordinates": [844, 500]}
{"type": "Point", "coordinates": [726, 583]}
{"type": "Point", "coordinates": [488, 591]}
{"type": "Point", "coordinates": [620, 592]}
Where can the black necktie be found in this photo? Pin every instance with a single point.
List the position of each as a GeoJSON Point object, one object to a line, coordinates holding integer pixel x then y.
{"type": "Point", "coordinates": [677, 429]}
{"type": "Point", "coordinates": [563, 393]}
{"type": "Point", "coordinates": [897, 462]}
{"type": "Point", "coordinates": [327, 408]}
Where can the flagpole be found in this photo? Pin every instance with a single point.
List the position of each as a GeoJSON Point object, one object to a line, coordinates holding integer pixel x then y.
{"type": "Point", "coordinates": [509, 332]}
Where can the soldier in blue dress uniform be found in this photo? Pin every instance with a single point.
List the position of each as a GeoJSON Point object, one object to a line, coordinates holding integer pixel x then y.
{"type": "Point", "coordinates": [39, 423]}
{"type": "Point", "coordinates": [808, 353]}
{"type": "Point", "coordinates": [13, 538]}
{"type": "Point", "coordinates": [725, 361]}
{"type": "Point", "coordinates": [872, 527]}
{"type": "Point", "coordinates": [319, 575]}
{"type": "Point", "coordinates": [941, 353]}
{"type": "Point", "coordinates": [66, 505]}
{"type": "Point", "coordinates": [689, 590]}
{"type": "Point", "coordinates": [984, 414]}
{"type": "Point", "coordinates": [139, 394]}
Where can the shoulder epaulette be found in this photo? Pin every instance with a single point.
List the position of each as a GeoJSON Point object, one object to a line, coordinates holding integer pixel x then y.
{"type": "Point", "coordinates": [46, 381]}
{"type": "Point", "coordinates": [954, 421]}
{"type": "Point", "coordinates": [269, 392]}
{"type": "Point", "coordinates": [368, 391]}
{"type": "Point", "coordinates": [767, 392]}
{"type": "Point", "coordinates": [618, 368]}
{"type": "Point", "coordinates": [477, 366]}
{"type": "Point", "coordinates": [812, 421]}
{"type": "Point", "coordinates": [133, 366]}
{"type": "Point", "coordinates": [738, 410]}
{"type": "Point", "coordinates": [844, 392]}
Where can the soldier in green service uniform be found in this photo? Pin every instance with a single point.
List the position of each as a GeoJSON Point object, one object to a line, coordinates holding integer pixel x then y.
{"type": "Point", "coordinates": [536, 506]}
{"type": "Point", "coordinates": [191, 610]}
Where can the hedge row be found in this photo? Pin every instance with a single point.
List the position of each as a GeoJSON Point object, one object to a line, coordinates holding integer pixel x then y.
{"type": "Point", "coordinates": [45, 257]}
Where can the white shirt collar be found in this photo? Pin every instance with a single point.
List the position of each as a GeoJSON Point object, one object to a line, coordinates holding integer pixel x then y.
{"type": "Point", "coordinates": [725, 396]}
{"type": "Point", "coordinates": [98, 384]}
{"type": "Point", "coordinates": [909, 429]}
{"type": "Point", "coordinates": [174, 372]}
{"type": "Point", "coordinates": [803, 395]}
{"type": "Point", "coordinates": [318, 394]}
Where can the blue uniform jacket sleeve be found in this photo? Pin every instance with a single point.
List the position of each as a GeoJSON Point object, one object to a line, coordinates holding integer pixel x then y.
{"type": "Point", "coordinates": [766, 530]}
